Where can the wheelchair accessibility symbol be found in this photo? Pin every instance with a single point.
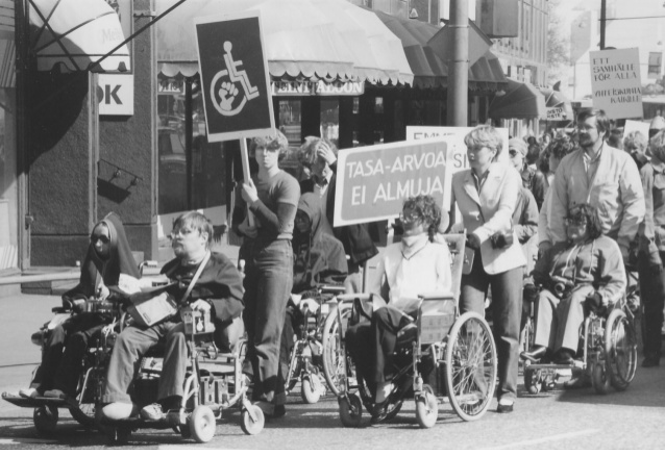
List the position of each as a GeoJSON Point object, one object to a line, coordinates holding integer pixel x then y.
{"type": "Point", "coordinates": [224, 90]}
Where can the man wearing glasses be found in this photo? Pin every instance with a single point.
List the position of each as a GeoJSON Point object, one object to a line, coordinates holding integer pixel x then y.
{"type": "Point", "coordinates": [602, 176]}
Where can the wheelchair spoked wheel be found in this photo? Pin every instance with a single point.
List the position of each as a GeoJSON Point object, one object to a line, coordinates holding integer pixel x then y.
{"type": "Point", "coordinates": [471, 366]}
{"type": "Point", "coordinates": [427, 408]}
{"type": "Point", "coordinates": [333, 352]}
{"type": "Point", "coordinates": [84, 414]}
{"type": "Point", "coordinates": [621, 349]}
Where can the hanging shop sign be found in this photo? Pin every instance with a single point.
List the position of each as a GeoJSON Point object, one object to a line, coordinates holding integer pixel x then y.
{"type": "Point", "coordinates": [234, 76]}
{"type": "Point", "coordinates": [616, 83]}
{"type": "Point", "coordinates": [115, 94]}
{"type": "Point", "coordinates": [374, 181]}
{"type": "Point", "coordinates": [171, 86]}
{"type": "Point", "coordinates": [317, 88]}
{"type": "Point", "coordinates": [455, 141]}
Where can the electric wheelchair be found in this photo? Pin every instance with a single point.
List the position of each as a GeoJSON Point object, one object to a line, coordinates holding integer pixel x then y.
{"type": "Point", "coordinates": [441, 354]}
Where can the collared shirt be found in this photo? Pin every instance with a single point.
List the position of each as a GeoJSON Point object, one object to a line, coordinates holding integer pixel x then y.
{"type": "Point", "coordinates": [320, 190]}
{"type": "Point", "coordinates": [591, 164]}
{"type": "Point", "coordinates": [479, 181]}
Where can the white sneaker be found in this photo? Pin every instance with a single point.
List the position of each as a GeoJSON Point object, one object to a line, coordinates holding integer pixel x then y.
{"type": "Point", "coordinates": [29, 393]}
{"type": "Point", "coordinates": [55, 394]}
{"type": "Point", "coordinates": [153, 412]}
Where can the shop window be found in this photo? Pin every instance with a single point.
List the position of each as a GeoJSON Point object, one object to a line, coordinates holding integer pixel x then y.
{"type": "Point", "coordinates": [193, 181]}
{"type": "Point", "coordinates": [289, 120]}
{"type": "Point", "coordinates": [330, 120]}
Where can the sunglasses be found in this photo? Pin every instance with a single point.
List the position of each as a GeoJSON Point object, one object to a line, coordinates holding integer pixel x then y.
{"type": "Point", "coordinates": [575, 221]}
{"type": "Point", "coordinates": [102, 238]}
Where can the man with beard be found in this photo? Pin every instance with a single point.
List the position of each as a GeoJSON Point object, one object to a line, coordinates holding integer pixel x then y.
{"type": "Point", "coordinates": [602, 176]}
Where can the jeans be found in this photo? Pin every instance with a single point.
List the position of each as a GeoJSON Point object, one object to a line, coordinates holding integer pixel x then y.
{"type": "Point", "coordinates": [128, 350]}
{"type": "Point", "coordinates": [268, 281]}
{"type": "Point", "coordinates": [506, 308]}
{"type": "Point", "coordinates": [63, 352]}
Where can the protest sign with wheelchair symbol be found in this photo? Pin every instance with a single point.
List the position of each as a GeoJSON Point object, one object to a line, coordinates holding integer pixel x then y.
{"type": "Point", "coordinates": [234, 74]}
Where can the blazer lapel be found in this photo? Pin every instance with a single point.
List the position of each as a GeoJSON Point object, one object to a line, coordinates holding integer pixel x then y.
{"type": "Point", "coordinates": [470, 187]}
{"type": "Point", "coordinates": [491, 185]}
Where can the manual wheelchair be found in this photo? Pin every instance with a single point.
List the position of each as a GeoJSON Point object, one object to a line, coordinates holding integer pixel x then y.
{"type": "Point", "coordinates": [609, 354]}
{"type": "Point", "coordinates": [307, 354]}
{"type": "Point", "coordinates": [441, 354]}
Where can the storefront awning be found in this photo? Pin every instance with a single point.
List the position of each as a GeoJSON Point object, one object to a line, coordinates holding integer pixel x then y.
{"type": "Point", "coordinates": [312, 39]}
{"type": "Point", "coordinates": [558, 106]}
{"type": "Point", "coordinates": [521, 101]}
{"type": "Point", "coordinates": [76, 34]}
{"type": "Point", "coordinates": [429, 66]}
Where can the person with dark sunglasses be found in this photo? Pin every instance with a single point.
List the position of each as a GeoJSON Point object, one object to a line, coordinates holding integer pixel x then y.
{"type": "Point", "coordinates": [109, 255]}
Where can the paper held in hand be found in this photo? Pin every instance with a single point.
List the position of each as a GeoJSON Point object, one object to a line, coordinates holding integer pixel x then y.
{"type": "Point", "coordinates": [148, 310]}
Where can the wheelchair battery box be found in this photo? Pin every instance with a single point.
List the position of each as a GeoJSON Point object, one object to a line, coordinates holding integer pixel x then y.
{"type": "Point", "coordinates": [437, 318]}
{"type": "Point", "coordinates": [196, 321]}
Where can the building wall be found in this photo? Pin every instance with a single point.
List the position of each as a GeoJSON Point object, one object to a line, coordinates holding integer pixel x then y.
{"type": "Point", "coordinates": [524, 58]}
{"type": "Point", "coordinates": [127, 144]}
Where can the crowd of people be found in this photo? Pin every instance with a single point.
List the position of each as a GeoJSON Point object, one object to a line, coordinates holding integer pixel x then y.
{"type": "Point", "coordinates": [566, 230]}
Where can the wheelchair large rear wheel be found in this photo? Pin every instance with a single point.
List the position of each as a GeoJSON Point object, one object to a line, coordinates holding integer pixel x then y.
{"type": "Point", "coordinates": [333, 354]}
{"type": "Point", "coordinates": [471, 366]}
{"type": "Point", "coordinates": [621, 349]}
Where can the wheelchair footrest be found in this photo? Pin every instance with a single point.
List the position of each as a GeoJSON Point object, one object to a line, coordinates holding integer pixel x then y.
{"type": "Point", "coordinates": [36, 402]}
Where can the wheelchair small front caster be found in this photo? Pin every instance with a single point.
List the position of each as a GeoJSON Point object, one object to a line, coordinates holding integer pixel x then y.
{"type": "Point", "coordinates": [45, 419]}
{"type": "Point", "coordinates": [252, 420]}
{"type": "Point", "coordinates": [351, 410]}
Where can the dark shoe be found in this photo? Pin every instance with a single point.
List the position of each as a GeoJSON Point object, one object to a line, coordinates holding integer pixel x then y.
{"type": "Point", "coordinates": [379, 411]}
{"type": "Point", "coordinates": [505, 407]}
{"type": "Point", "coordinates": [535, 354]}
{"type": "Point", "coordinates": [279, 411]}
{"type": "Point", "coordinates": [564, 356]}
{"type": "Point", "coordinates": [650, 361]}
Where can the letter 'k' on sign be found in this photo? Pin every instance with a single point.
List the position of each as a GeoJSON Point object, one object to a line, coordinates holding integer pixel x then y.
{"type": "Point", "coordinates": [115, 94]}
{"type": "Point", "coordinates": [234, 73]}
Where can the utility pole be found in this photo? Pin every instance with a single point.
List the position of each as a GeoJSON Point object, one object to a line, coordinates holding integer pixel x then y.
{"type": "Point", "coordinates": [602, 26]}
{"type": "Point", "coordinates": [458, 65]}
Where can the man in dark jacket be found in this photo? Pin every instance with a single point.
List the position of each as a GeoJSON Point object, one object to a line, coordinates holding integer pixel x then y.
{"type": "Point", "coordinates": [320, 155]}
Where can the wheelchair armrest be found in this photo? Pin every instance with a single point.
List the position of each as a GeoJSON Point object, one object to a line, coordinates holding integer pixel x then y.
{"type": "Point", "coordinates": [329, 289]}
{"type": "Point", "coordinates": [440, 295]}
{"type": "Point", "coordinates": [347, 297]}
{"type": "Point", "coordinates": [60, 310]}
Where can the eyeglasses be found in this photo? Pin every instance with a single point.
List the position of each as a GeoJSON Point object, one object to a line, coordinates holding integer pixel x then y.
{"type": "Point", "coordinates": [182, 231]}
{"type": "Point", "coordinates": [575, 221]}
{"type": "Point", "coordinates": [102, 238]}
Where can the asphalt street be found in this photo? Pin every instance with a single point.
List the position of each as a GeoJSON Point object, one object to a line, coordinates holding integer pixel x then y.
{"type": "Point", "coordinates": [558, 419]}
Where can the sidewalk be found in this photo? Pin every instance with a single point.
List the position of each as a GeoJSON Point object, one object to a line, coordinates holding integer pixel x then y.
{"type": "Point", "coordinates": [22, 315]}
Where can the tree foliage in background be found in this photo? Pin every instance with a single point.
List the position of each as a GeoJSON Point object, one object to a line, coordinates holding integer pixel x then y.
{"type": "Point", "coordinates": [558, 44]}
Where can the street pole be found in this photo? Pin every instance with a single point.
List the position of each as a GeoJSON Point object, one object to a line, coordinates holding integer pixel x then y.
{"type": "Point", "coordinates": [458, 65]}
{"type": "Point", "coordinates": [602, 26]}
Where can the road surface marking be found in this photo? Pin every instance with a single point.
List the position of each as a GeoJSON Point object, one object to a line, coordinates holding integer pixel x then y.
{"type": "Point", "coordinates": [547, 439]}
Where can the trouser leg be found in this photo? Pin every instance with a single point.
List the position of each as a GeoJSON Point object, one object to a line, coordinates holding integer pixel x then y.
{"type": "Point", "coordinates": [385, 324]}
{"type": "Point", "coordinates": [358, 340]}
{"type": "Point", "coordinates": [71, 366]}
{"type": "Point", "coordinates": [130, 345]}
{"type": "Point", "coordinates": [51, 358]}
{"type": "Point", "coordinates": [286, 345]}
{"type": "Point", "coordinates": [546, 320]}
{"type": "Point", "coordinates": [652, 295]}
{"type": "Point", "coordinates": [176, 359]}
{"type": "Point", "coordinates": [571, 316]}
{"type": "Point", "coordinates": [506, 306]}
{"type": "Point", "coordinates": [274, 278]}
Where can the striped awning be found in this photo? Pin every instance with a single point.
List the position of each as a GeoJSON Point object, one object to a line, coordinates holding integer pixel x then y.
{"type": "Point", "coordinates": [76, 34]}
{"type": "Point", "coordinates": [305, 39]}
{"type": "Point", "coordinates": [7, 45]}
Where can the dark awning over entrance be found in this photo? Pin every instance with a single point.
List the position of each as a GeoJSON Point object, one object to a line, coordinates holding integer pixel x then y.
{"type": "Point", "coordinates": [429, 66]}
{"type": "Point", "coordinates": [521, 101]}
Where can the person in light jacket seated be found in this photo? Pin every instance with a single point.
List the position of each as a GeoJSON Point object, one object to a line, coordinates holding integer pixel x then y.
{"type": "Point", "coordinates": [486, 195]}
{"type": "Point", "coordinates": [602, 176]}
{"type": "Point", "coordinates": [587, 270]}
{"type": "Point", "coordinates": [414, 266]}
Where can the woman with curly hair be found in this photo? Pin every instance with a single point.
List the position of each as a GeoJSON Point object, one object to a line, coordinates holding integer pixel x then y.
{"type": "Point", "coordinates": [414, 266]}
